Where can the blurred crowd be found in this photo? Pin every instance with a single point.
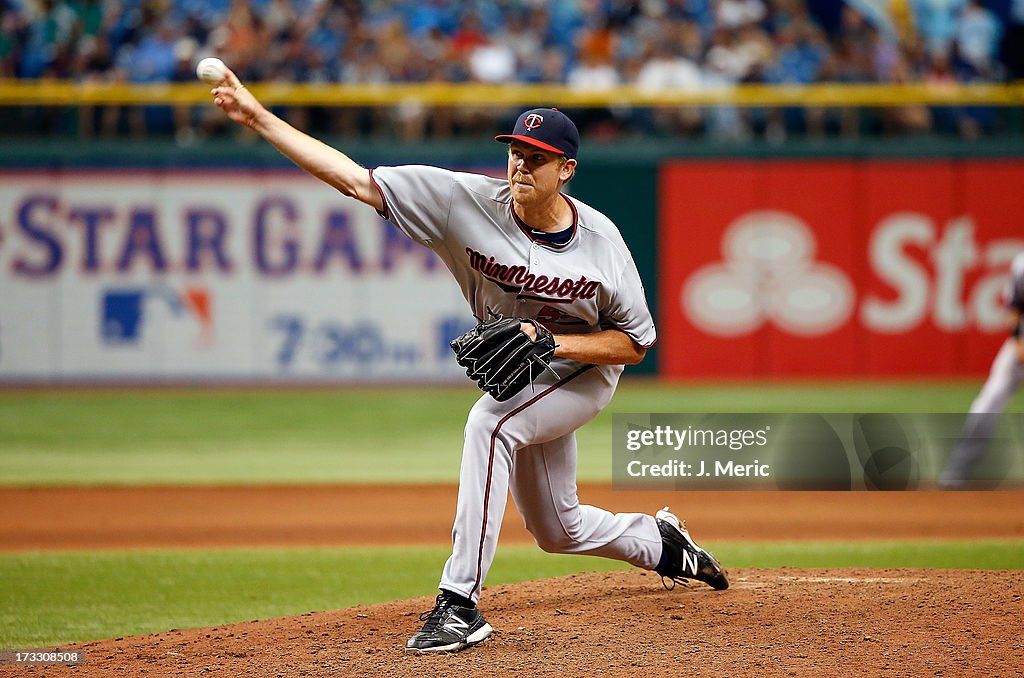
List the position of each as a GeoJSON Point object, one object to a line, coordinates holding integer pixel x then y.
{"type": "Point", "coordinates": [585, 44]}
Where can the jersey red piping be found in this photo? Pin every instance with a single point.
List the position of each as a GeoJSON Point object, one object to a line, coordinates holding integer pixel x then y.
{"type": "Point", "coordinates": [490, 465]}
{"type": "Point", "coordinates": [383, 198]}
{"type": "Point", "coordinates": [526, 229]}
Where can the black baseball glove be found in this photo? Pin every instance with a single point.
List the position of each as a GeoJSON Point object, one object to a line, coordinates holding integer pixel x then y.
{"type": "Point", "coordinates": [501, 358]}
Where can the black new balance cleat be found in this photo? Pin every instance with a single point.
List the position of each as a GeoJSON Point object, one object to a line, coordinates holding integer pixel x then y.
{"type": "Point", "coordinates": [682, 559]}
{"type": "Point", "coordinates": [449, 627]}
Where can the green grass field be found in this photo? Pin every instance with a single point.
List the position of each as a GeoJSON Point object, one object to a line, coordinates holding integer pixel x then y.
{"type": "Point", "coordinates": [193, 436]}
{"type": "Point", "coordinates": [345, 436]}
{"type": "Point", "coordinates": [66, 597]}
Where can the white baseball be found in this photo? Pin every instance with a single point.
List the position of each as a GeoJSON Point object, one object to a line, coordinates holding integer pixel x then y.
{"type": "Point", "coordinates": [211, 70]}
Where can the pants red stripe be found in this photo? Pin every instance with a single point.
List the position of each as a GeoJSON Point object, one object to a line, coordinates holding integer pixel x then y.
{"type": "Point", "coordinates": [490, 465]}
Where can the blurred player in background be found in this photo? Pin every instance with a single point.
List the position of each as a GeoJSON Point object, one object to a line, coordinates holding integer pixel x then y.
{"type": "Point", "coordinates": [1005, 376]}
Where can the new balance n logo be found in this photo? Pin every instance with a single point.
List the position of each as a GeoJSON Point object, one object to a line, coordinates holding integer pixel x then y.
{"type": "Point", "coordinates": [689, 562]}
{"type": "Point", "coordinates": [456, 624]}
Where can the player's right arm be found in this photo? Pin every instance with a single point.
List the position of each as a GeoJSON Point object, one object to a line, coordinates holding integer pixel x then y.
{"type": "Point", "coordinates": [323, 162]}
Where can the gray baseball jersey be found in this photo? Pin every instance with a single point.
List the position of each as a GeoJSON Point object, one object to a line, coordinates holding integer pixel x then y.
{"type": "Point", "coordinates": [1004, 378]}
{"type": "Point", "coordinates": [585, 285]}
{"type": "Point", "coordinates": [527, 444]}
{"type": "Point", "coordinates": [1015, 285]}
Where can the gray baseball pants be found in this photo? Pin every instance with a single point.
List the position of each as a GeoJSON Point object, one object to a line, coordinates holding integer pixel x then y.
{"type": "Point", "coordinates": [527, 445]}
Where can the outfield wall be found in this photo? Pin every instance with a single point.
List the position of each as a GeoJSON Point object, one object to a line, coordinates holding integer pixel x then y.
{"type": "Point", "coordinates": [148, 262]}
{"type": "Point", "coordinates": [861, 268]}
{"type": "Point", "coordinates": [220, 274]}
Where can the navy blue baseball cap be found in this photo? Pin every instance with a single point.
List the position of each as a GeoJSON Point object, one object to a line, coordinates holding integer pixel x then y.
{"type": "Point", "coordinates": [546, 128]}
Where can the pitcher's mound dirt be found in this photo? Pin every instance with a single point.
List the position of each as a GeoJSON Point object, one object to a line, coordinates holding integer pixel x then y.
{"type": "Point", "coordinates": [770, 623]}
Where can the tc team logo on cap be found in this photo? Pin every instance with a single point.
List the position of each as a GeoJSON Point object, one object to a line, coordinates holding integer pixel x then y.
{"type": "Point", "coordinates": [546, 128]}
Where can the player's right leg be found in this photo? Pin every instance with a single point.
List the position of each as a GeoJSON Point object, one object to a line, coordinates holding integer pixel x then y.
{"type": "Point", "coordinates": [682, 559]}
{"type": "Point", "coordinates": [543, 485]}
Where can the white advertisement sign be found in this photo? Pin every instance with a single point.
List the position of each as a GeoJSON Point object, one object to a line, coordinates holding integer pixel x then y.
{"type": "Point", "coordinates": [214, 275]}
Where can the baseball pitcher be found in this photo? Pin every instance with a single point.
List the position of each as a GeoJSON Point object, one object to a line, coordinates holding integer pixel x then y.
{"type": "Point", "coordinates": [561, 311]}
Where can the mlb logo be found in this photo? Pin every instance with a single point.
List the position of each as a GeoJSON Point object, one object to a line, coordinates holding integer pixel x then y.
{"type": "Point", "coordinates": [122, 315]}
{"type": "Point", "coordinates": [124, 311]}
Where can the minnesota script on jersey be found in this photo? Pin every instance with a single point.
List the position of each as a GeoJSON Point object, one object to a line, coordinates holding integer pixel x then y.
{"type": "Point", "coordinates": [588, 284]}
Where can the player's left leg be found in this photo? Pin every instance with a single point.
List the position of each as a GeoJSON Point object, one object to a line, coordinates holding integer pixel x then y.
{"type": "Point", "coordinates": [494, 431]}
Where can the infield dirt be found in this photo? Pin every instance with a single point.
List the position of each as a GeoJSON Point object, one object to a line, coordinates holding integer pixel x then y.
{"type": "Point", "coordinates": [770, 623]}
{"type": "Point", "coordinates": [788, 622]}
{"type": "Point", "coordinates": [163, 517]}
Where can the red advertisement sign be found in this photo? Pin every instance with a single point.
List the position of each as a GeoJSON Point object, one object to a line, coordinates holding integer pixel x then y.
{"type": "Point", "coordinates": [835, 268]}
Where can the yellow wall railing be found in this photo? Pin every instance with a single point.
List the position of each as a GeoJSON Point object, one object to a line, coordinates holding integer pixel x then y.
{"type": "Point", "coordinates": [66, 93]}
